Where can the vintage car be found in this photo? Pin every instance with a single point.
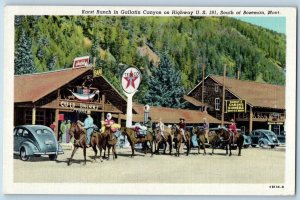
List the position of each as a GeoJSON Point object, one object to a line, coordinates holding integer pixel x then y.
{"type": "Point", "coordinates": [264, 138]}
{"type": "Point", "coordinates": [281, 137]}
{"type": "Point", "coordinates": [35, 140]}
{"type": "Point", "coordinates": [247, 141]}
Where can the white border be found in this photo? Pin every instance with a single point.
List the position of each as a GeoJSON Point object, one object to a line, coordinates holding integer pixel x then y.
{"type": "Point", "coordinates": [160, 189]}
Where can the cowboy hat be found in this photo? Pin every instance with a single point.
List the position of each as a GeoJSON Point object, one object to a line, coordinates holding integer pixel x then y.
{"type": "Point", "coordinates": [232, 120]}
{"type": "Point", "coordinates": [88, 112]}
{"type": "Point", "coordinates": [181, 118]}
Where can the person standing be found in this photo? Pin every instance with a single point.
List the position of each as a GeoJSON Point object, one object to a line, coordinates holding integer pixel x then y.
{"type": "Point", "coordinates": [68, 126]}
{"type": "Point", "coordinates": [206, 129]}
{"type": "Point", "coordinates": [52, 126]}
{"type": "Point", "coordinates": [182, 126]}
{"type": "Point", "coordinates": [63, 131]}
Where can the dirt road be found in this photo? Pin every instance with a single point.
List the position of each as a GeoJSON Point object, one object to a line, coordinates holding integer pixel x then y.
{"type": "Point", "coordinates": [256, 165]}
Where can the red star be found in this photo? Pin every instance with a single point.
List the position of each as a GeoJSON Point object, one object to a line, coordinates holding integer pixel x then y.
{"type": "Point", "coordinates": [130, 80]}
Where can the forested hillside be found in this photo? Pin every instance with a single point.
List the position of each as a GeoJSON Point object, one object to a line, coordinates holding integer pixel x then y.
{"type": "Point", "coordinates": [45, 43]}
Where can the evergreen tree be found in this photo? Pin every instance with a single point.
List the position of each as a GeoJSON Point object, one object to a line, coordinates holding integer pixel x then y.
{"type": "Point", "coordinates": [23, 56]}
{"type": "Point", "coordinates": [165, 86]}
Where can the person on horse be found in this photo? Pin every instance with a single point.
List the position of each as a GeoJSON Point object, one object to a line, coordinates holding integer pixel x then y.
{"type": "Point", "coordinates": [232, 127]}
{"type": "Point", "coordinates": [87, 126]}
{"type": "Point", "coordinates": [109, 123]}
{"type": "Point", "coordinates": [182, 126]}
{"type": "Point", "coordinates": [161, 127]}
{"type": "Point", "coordinates": [149, 125]}
{"type": "Point", "coordinates": [206, 129]}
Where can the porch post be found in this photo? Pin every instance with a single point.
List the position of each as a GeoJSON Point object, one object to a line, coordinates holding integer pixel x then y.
{"type": "Point", "coordinates": [119, 118]}
{"type": "Point", "coordinates": [33, 115]}
{"type": "Point", "coordinates": [56, 123]}
{"type": "Point", "coordinates": [250, 120]}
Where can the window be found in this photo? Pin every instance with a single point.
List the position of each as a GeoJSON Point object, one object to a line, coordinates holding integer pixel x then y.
{"type": "Point", "coordinates": [217, 103]}
{"type": "Point", "coordinates": [216, 88]}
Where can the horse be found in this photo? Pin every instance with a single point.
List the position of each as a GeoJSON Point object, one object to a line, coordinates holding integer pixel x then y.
{"type": "Point", "coordinates": [230, 138]}
{"type": "Point", "coordinates": [167, 138]}
{"type": "Point", "coordinates": [179, 139]}
{"type": "Point", "coordinates": [213, 139]}
{"type": "Point", "coordinates": [80, 137]}
{"type": "Point", "coordinates": [110, 142]}
{"type": "Point", "coordinates": [98, 140]}
{"type": "Point", "coordinates": [133, 140]}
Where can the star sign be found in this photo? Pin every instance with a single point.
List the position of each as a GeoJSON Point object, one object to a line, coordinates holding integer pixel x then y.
{"type": "Point", "coordinates": [130, 80]}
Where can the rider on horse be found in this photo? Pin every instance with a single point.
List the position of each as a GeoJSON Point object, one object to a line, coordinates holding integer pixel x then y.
{"type": "Point", "coordinates": [182, 126]}
{"type": "Point", "coordinates": [149, 125]}
{"type": "Point", "coordinates": [109, 123]}
{"type": "Point", "coordinates": [87, 126]}
{"type": "Point", "coordinates": [232, 127]}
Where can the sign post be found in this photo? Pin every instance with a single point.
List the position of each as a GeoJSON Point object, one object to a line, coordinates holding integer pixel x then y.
{"type": "Point", "coordinates": [131, 80]}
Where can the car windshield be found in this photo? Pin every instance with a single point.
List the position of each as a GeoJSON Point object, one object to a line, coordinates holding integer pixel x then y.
{"type": "Point", "coordinates": [43, 132]}
{"type": "Point", "coordinates": [269, 133]}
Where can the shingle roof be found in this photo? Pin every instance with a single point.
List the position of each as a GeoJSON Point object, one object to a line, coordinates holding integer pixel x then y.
{"type": "Point", "coordinates": [32, 87]}
{"type": "Point", "coordinates": [194, 101]}
{"type": "Point", "coordinates": [256, 94]}
{"type": "Point", "coordinates": [171, 115]}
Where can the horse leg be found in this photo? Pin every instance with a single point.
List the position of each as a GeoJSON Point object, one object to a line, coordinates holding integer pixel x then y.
{"type": "Point", "coordinates": [100, 151]}
{"type": "Point", "coordinates": [70, 159]}
{"type": "Point", "coordinates": [230, 149]}
{"type": "Point", "coordinates": [108, 152]}
{"type": "Point", "coordinates": [170, 146]}
{"type": "Point", "coordinates": [115, 153]}
{"type": "Point", "coordinates": [151, 147]}
{"type": "Point", "coordinates": [84, 155]}
{"type": "Point", "coordinates": [132, 149]}
{"type": "Point", "coordinates": [95, 150]}
{"type": "Point", "coordinates": [188, 144]}
{"type": "Point", "coordinates": [239, 154]}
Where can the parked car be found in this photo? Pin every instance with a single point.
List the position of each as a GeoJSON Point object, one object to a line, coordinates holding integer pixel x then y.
{"type": "Point", "coordinates": [281, 137]}
{"type": "Point", "coordinates": [247, 141]}
{"type": "Point", "coordinates": [35, 140]}
{"type": "Point", "coordinates": [264, 138]}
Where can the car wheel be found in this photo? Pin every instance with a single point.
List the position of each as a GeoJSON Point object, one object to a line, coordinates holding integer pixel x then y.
{"type": "Point", "coordinates": [261, 144]}
{"type": "Point", "coordinates": [23, 154]}
{"type": "Point", "coordinates": [52, 157]}
{"type": "Point", "coordinates": [272, 146]}
{"type": "Point", "coordinates": [253, 145]}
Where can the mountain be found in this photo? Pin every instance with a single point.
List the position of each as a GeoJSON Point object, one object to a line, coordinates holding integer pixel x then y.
{"type": "Point", "coordinates": [191, 42]}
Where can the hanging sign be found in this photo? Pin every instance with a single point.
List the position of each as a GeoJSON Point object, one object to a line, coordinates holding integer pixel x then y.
{"type": "Point", "coordinates": [97, 72]}
{"type": "Point", "coordinates": [233, 106]}
{"type": "Point", "coordinates": [81, 62]}
{"type": "Point", "coordinates": [131, 80]}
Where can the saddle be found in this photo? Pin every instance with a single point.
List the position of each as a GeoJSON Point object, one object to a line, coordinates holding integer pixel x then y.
{"type": "Point", "coordinates": [138, 134]}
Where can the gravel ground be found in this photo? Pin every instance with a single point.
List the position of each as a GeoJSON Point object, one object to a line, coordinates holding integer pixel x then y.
{"type": "Point", "coordinates": [256, 165]}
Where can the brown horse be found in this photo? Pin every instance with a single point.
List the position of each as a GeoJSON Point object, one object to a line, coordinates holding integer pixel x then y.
{"type": "Point", "coordinates": [79, 142]}
{"type": "Point", "coordinates": [98, 140]}
{"type": "Point", "coordinates": [213, 139]}
{"type": "Point", "coordinates": [110, 143]}
{"type": "Point", "coordinates": [133, 140]}
{"type": "Point", "coordinates": [179, 139]}
{"type": "Point", "coordinates": [229, 138]}
{"type": "Point", "coordinates": [165, 139]}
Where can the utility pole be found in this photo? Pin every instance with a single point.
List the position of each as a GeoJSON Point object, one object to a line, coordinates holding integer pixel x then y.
{"type": "Point", "coordinates": [223, 97]}
{"type": "Point", "coordinates": [203, 76]}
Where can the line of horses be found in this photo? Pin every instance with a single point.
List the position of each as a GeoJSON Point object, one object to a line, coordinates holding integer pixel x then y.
{"type": "Point", "coordinates": [106, 141]}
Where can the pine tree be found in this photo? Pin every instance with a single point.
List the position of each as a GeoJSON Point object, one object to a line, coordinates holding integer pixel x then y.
{"type": "Point", "coordinates": [165, 86]}
{"type": "Point", "coordinates": [23, 56]}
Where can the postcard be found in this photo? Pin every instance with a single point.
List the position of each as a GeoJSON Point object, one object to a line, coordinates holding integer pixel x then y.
{"type": "Point", "coordinates": [149, 100]}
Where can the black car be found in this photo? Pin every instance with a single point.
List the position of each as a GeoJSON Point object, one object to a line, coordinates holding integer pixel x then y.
{"type": "Point", "coordinates": [264, 138]}
{"type": "Point", "coordinates": [35, 140]}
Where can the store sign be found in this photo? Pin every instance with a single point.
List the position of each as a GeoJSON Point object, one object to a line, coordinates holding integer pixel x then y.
{"type": "Point", "coordinates": [97, 72]}
{"type": "Point", "coordinates": [234, 106]}
{"type": "Point", "coordinates": [80, 107]}
{"type": "Point", "coordinates": [131, 80]}
{"type": "Point", "coordinates": [81, 62]}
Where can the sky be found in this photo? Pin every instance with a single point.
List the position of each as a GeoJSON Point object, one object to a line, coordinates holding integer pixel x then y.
{"type": "Point", "coordinates": [277, 24]}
